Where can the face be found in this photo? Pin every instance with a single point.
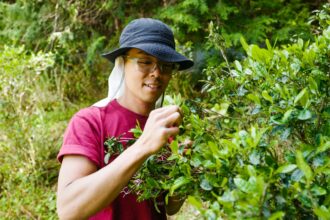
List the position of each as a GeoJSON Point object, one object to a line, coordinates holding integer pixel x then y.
{"type": "Point", "coordinates": [141, 82]}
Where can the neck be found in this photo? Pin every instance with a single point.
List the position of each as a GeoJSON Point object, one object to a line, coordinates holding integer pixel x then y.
{"type": "Point", "coordinates": [136, 106]}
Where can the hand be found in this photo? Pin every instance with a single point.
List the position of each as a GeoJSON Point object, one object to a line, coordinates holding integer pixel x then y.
{"type": "Point", "coordinates": [162, 123]}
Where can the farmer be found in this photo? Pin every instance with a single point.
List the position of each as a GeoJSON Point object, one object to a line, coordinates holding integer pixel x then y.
{"type": "Point", "coordinates": [87, 186]}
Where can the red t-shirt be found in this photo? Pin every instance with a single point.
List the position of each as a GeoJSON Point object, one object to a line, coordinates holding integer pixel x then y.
{"type": "Point", "coordinates": [86, 134]}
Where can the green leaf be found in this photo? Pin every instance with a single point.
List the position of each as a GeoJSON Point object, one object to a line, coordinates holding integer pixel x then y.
{"type": "Point", "coordinates": [193, 201]}
{"type": "Point", "coordinates": [304, 167]}
{"type": "Point", "coordinates": [318, 191]}
{"type": "Point", "coordinates": [324, 146]}
{"type": "Point", "coordinates": [137, 131]}
{"type": "Point", "coordinates": [297, 175]}
{"type": "Point", "coordinates": [228, 144]}
{"type": "Point", "coordinates": [251, 170]}
{"type": "Point", "coordinates": [214, 148]}
{"type": "Point", "coordinates": [301, 97]}
{"type": "Point", "coordinates": [266, 96]}
{"type": "Point", "coordinates": [254, 98]}
{"type": "Point", "coordinates": [245, 45]}
{"type": "Point", "coordinates": [244, 185]}
{"type": "Point", "coordinates": [300, 43]}
{"type": "Point", "coordinates": [221, 109]}
{"type": "Point", "coordinates": [269, 46]}
{"type": "Point", "coordinates": [228, 196]}
{"type": "Point", "coordinates": [304, 114]}
{"type": "Point", "coordinates": [174, 147]}
{"type": "Point", "coordinates": [277, 215]}
{"type": "Point", "coordinates": [205, 184]}
{"type": "Point", "coordinates": [178, 183]}
{"type": "Point", "coordinates": [322, 212]}
{"type": "Point", "coordinates": [93, 48]}
{"type": "Point", "coordinates": [313, 85]}
{"type": "Point", "coordinates": [285, 134]}
{"type": "Point", "coordinates": [238, 66]}
{"type": "Point", "coordinates": [254, 158]}
{"type": "Point", "coordinates": [286, 168]}
{"type": "Point", "coordinates": [286, 116]}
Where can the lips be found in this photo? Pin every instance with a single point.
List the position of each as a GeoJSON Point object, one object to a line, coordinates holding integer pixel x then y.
{"type": "Point", "coordinates": [153, 86]}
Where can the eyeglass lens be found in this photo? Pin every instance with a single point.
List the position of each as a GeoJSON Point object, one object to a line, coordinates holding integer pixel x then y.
{"type": "Point", "coordinates": [149, 66]}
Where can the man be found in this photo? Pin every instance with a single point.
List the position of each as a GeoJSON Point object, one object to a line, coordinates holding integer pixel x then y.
{"type": "Point", "coordinates": [89, 188]}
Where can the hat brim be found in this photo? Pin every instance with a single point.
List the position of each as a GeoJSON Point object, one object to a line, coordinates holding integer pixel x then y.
{"type": "Point", "coordinates": [162, 53]}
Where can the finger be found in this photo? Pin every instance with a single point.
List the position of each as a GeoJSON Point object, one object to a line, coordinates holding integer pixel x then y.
{"type": "Point", "coordinates": [165, 108]}
{"type": "Point", "coordinates": [168, 110]}
{"type": "Point", "coordinates": [173, 120]}
{"type": "Point", "coordinates": [172, 131]}
{"type": "Point", "coordinates": [159, 110]}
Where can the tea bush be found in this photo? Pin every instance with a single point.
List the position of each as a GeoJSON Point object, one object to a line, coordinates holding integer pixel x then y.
{"type": "Point", "coordinates": [261, 136]}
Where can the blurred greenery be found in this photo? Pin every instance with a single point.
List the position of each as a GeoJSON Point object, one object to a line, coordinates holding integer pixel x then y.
{"type": "Point", "coordinates": [50, 66]}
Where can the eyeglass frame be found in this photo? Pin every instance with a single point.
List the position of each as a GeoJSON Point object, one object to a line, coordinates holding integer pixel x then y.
{"type": "Point", "coordinates": [155, 64]}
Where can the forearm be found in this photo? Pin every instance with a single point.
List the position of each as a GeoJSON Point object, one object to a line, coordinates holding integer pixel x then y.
{"type": "Point", "coordinates": [87, 195]}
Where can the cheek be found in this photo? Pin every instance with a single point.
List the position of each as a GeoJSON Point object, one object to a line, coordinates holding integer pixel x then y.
{"type": "Point", "coordinates": [133, 82]}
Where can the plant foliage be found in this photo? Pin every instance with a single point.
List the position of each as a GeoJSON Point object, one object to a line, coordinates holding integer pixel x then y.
{"type": "Point", "coordinates": [261, 137]}
{"type": "Point", "coordinates": [257, 111]}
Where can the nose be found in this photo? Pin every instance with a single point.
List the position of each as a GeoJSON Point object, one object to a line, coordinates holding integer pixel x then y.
{"type": "Point", "coordinates": [156, 72]}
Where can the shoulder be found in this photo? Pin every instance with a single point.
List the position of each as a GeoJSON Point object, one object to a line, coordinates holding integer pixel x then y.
{"type": "Point", "coordinates": [89, 114]}
{"type": "Point", "coordinates": [96, 115]}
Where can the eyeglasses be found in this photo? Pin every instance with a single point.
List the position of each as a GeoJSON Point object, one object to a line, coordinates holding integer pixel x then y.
{"type": "Point", "coordinates": [146, 65]}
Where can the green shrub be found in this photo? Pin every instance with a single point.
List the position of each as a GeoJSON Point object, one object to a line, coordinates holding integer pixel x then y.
{"type": "Point", "coordinates": [32, 121]}
{"type": "Point", "coordinates": [261, 135]}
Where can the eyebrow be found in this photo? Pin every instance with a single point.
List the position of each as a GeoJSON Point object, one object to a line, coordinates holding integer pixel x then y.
{"type": "Point", "coordinates": [140, 51]}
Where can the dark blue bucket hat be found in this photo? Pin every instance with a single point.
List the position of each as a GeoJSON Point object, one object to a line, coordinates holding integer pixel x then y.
{"type": "Point", "coordinates": [153, 37]}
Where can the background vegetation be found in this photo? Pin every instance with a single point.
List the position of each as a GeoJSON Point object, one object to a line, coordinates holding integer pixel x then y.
{"type": "Point", "coordinates": [256, 102]}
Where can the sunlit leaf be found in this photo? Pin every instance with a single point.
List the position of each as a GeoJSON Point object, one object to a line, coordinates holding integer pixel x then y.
{"type": "Point", "coordinates": [304, 114]}
{"type": "Point", "coordinates": [304, 167]}
{"type": "Point", "coordinates": [277, 215]}
{"type": "Point", "coordinates": [193, 201]}
{"type": "Point", "coordinates": [266, 96]}
{"type": "Point", "coordinates": [322, 212]}
{"type": "Point", "coordinates": [318, 191]}
{"type": "Point", "coordinates": [244, 185]}
{"type": "Point", "coordinates": [286, 168]}
{"type": "Point", "coordinates": [205, 184]}
{"type": "Point", "coordinates": [301, 97]}
{"type": "Point", "coordinates": [324, 147]}
{"type": "Point", "coordinates": [179, 182]}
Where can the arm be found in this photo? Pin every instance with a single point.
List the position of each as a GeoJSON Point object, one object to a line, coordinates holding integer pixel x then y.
{"type": "Point", "coordinates": [83, 190]}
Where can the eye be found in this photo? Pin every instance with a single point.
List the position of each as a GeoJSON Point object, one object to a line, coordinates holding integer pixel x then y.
{"type": "Point", "coordinates": [144, 61]}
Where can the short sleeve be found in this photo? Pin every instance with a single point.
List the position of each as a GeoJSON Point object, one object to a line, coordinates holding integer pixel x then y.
{"type": "Point", "coordinates": [83, 136]}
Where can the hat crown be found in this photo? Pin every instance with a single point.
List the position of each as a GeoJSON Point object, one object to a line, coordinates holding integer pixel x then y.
{"type": "Point", "coordinates": [146, 30]}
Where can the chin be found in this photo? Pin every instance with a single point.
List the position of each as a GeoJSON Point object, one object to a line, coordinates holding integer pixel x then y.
{"type": "Point", "coordinates": [151, 100]}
